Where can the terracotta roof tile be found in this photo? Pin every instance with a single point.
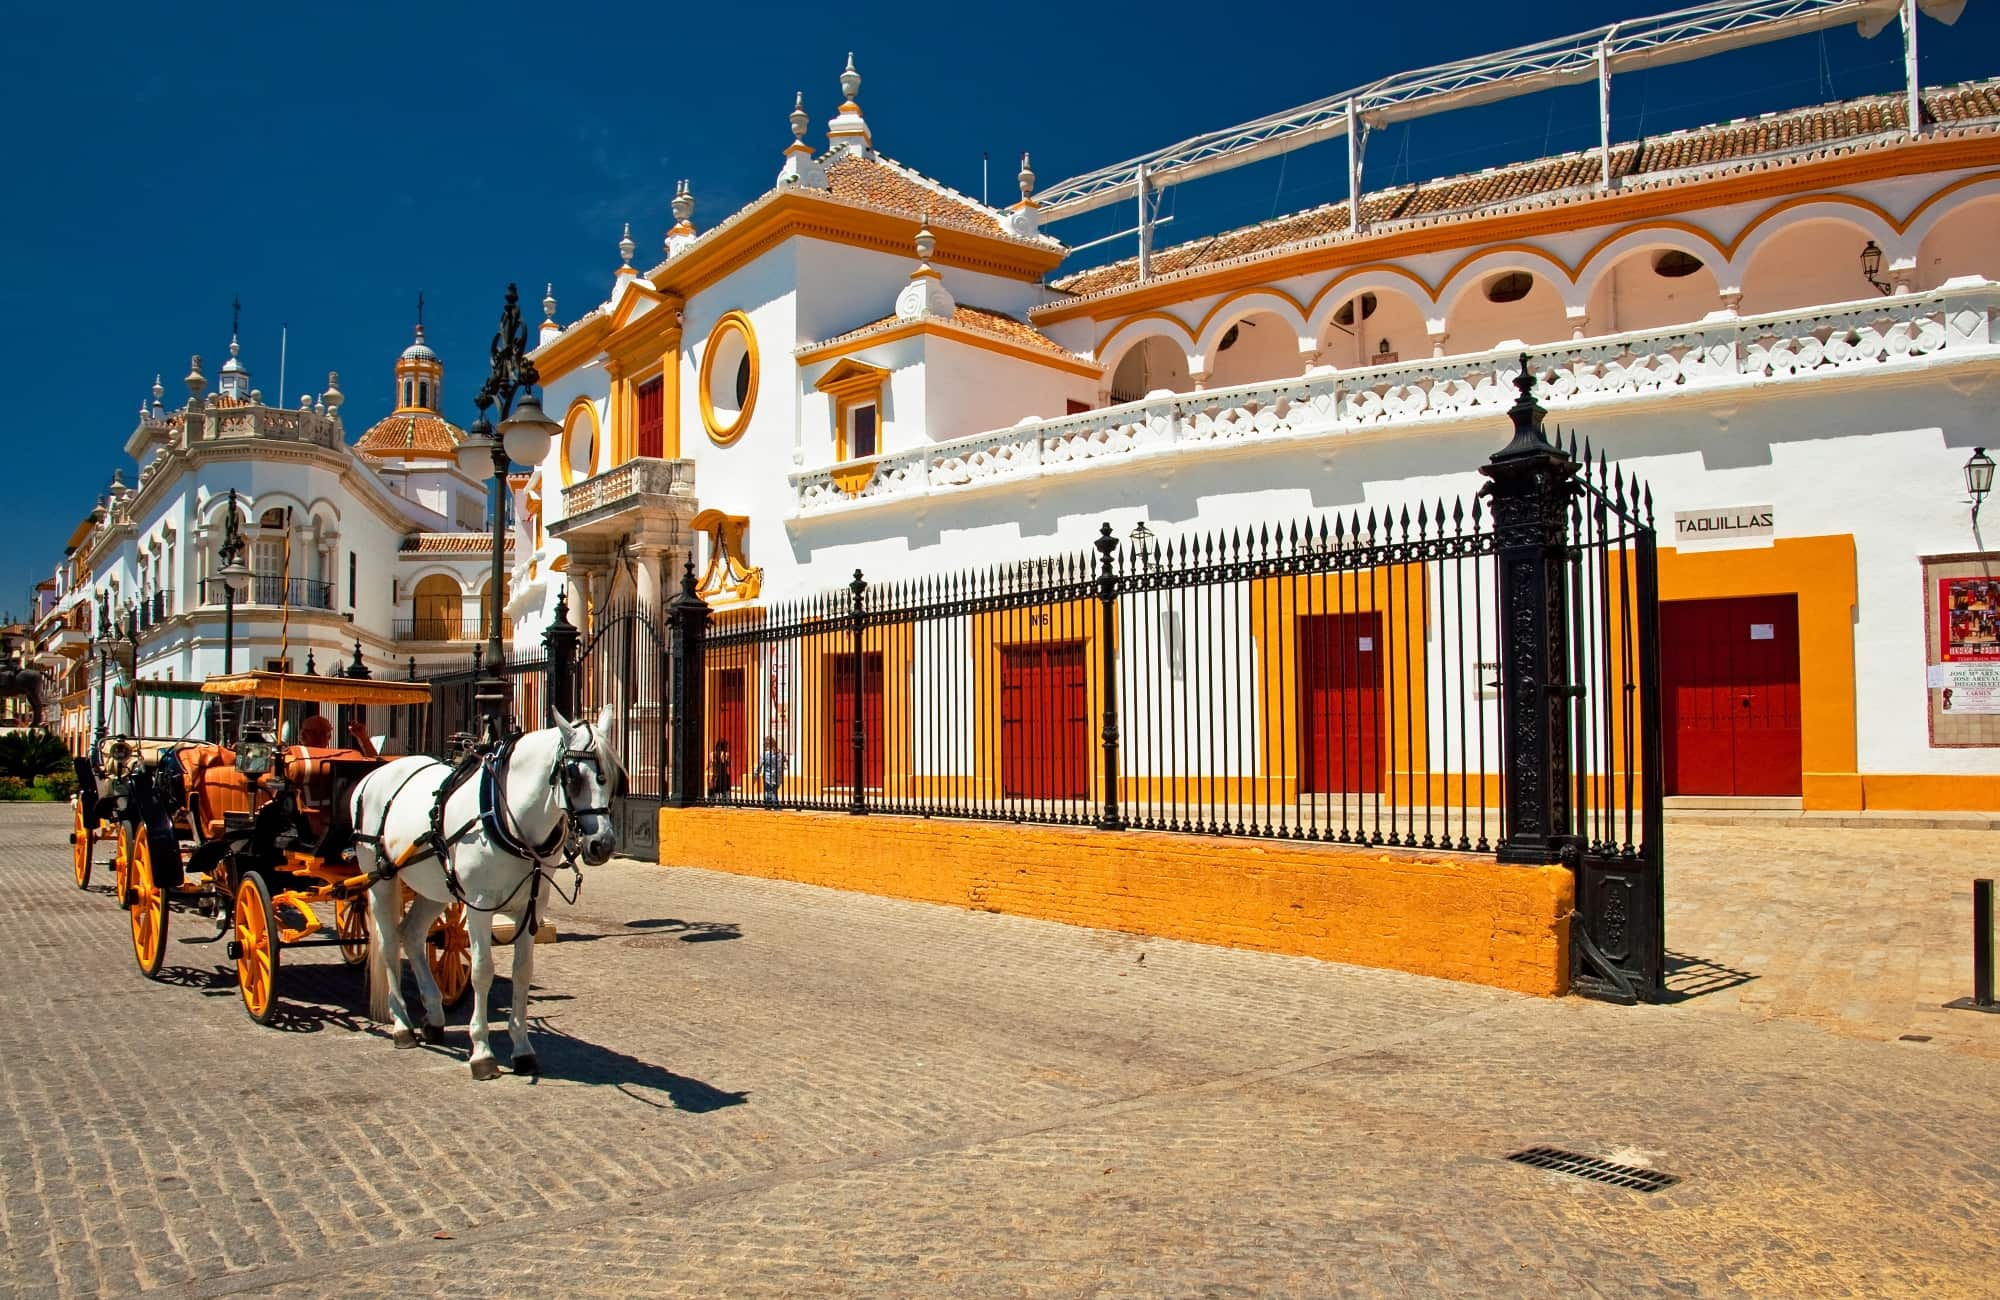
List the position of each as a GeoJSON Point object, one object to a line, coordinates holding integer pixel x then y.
{"type": "Point", "coordinates": [974, 320]}
{"type": "Point", "coordinates": [411, 435]}
{"type": "Point", "coordinates": [1657, 160]}
{"type": "Point", "coordinates": [885, 183]}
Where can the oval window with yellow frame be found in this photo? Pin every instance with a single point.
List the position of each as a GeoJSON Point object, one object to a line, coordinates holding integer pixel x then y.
{"type": "Point", "coordinates": [728, 380]}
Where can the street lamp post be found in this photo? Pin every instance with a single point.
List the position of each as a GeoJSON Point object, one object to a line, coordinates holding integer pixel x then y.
{"type": "Point", "coordinates": [235, 579]}
{"type": "Point", "coordinates": [102, 644]}
{"type": "Point", "coordinates": [524, 436]}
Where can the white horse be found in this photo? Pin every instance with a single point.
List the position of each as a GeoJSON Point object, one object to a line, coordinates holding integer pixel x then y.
{"type": "Point", "coordinates": [546, 788]}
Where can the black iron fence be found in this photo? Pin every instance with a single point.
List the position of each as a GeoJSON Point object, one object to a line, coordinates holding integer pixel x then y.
{"type": "Point", "coordinates": [459, 705]}
{"type": "Point", "coordinates": [1476, 675]}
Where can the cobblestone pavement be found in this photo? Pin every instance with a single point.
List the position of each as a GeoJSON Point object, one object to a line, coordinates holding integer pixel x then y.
{"type": "Point", "coordinates": [759, 1088]}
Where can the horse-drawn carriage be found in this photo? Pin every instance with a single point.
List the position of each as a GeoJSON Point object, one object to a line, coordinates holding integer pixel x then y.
{"type": "Point", "coordinates": [254, 834]}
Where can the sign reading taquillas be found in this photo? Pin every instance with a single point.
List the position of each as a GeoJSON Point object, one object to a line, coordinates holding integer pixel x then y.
{"type": "Point", "coordinates": [1731, 523]}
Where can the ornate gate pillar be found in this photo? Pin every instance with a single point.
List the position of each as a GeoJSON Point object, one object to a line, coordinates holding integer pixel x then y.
{"type": "Point", "coordinates": [1532, 482]}
{"type": "Point", "coordinates": [687, 622]}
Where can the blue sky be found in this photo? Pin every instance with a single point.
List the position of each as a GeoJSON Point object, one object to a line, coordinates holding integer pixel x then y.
{"type": "Point", "coordinates": [328, 162]}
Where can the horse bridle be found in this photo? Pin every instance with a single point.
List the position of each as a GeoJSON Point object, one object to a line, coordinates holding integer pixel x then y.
{"type": "Point", "coordinates": [563, 774]}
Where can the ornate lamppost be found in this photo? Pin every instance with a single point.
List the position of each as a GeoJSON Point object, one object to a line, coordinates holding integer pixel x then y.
{"type": "Point", "coordinates": [524, 436]}
{"type": "Point", "coordinates": [235, 581]}
{"type": "Point", "coordinates": [101, 643]}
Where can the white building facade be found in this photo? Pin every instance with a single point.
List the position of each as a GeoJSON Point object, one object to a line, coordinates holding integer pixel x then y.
{"type": "Point", "coordinates": [1784, 326]}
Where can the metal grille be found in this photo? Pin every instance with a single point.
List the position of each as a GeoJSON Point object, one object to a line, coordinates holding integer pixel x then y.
{"type": "Point", "coordinates": [1630, 1177]}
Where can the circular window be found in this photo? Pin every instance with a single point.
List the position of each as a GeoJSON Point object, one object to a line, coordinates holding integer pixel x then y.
{"type": "Point", "coordinates": [728, 380]}
{"type": "Point", "coordinates": [579, 443]}
{"type": "Point", "coordinates": [1509, 286]}
{"type": "Point", "coordinates": [1345, 316]}
{"type": "Point", "coordinates": [1673, 264]}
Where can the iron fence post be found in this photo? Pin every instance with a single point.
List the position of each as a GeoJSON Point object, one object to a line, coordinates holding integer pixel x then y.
{"type": "Point", "coordinates": [858, 803]}
{"type": "Point", "coordinates": [560, 639]}
{"type": "Point", "coordinates": [1532, 481]}
{"type": "Point", "coordinates": [687, 615]}
{"type": "Point", "coordinates": [1107, 604]}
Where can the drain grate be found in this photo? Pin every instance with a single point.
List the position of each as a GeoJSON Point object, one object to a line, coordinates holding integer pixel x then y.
{"type": "Point", "coordinates": [1631, 1177]}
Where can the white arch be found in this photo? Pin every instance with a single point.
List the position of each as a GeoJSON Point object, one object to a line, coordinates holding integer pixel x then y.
{"type": "Point", "coordinates": [1948, 207]}
{"type": "Point", "coordinates": [1642, 238]}
{"type": "Point", "coordinates": [1233, 311]}
{"type": "Point", "coordinates": [437, 570]}
{"type": "Point", "coordinates": [1867, 221]}
{"type": "Point", "coordinates": [1334, 295]}
{"type": "Point", "coordinates": [1531, 260]}
{"type": "Point", "coordinates": [1130, 335]}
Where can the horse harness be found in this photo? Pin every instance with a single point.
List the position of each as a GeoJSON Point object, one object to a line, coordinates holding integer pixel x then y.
{"type": "Point", "coordinates": [492, 818]}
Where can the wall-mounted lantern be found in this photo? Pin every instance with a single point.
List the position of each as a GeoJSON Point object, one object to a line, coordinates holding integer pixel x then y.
{"type": "Point", "coordinates": [1871, 265]}
{"type": "Point", "coordinates": [1978, 478]}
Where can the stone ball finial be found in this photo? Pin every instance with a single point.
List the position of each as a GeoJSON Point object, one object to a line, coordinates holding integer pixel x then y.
{"type": "Point", "coordinates": [683, 202]}
{"type": "Point", "coordinates": [850, 85]}
{"type": "Point", "coordinates": [625, 246]}
{"type": "Point", "coordinates": [196, 381]}
{"type": "Point", "coordinates": [549, 303]}
{"type": "Point", "coordinates": [1027, 179]}
{"type": "Point", "coordinates": [158, 390]}
{"type": "Point", "coordinates": [926, 241]}
{"type": "Point", "coordinates": [799, 119]}
{"type": "Point", "coordinates": [333, 397]}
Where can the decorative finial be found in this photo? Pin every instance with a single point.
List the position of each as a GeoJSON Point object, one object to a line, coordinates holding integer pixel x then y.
{"type": "Point", "coordinates": [549, 304]}
{"type": "Point", "coordinates": [683, 202]}
{"type": "Point", "coordinates": [626, 248]}
{"type": "Point", "coordinates": [925, 294]}
{"type": "Point", "coordinates": [683, 232]}
{"type": "Point", "coordinates": [1027, 179]}
{"type": "Point", "coordinates": [848, 132]}
{"type": "Point", "coordinates": [235, 320]}
{"type": "Point", "coordinates": [158, 391]}
{"type": "Point", "coordinates": [420, 313]}
{"type": "Point", "coordinates": [926, 241]}
{"type": "Point", "coordinates": [333, 397]}
{"type": "Point", "coordinates": [801, 168]}
{"type": "Point", "coordinates": [196, 381]}
{"type": "Point", "coordinates": [799, 118]}
{"type": "Point", "coordinates": [309, 662]}
{"type": "Point", "coordinates": [850, 86]}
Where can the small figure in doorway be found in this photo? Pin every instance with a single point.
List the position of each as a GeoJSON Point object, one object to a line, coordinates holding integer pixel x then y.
{"type": "Point", "coordinates": [771, 767]}
{"type": "Point", "coordinates": [718, 771]}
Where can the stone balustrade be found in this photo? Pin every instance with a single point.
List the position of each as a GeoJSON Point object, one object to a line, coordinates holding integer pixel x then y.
{"type": "Point", "coordinates": [1851, 337]}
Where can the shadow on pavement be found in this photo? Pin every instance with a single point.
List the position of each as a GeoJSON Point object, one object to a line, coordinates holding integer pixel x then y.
{"type": "Point", "coordinates": [1689, 977]}
{"type": "Point", "coordinates": [689, 931]}
{"type": "Point", "coordinates": [564, 1056]}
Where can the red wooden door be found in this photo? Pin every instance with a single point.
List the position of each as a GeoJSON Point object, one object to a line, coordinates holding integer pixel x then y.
{"type": "Point", "coordinates": [1044, 722]}
{"type": "Point", "coordinates": [837, 741]}
{"type": "Point", "coordinates": [732, 724]}
{"type": "Point", "coordinates": [651, 419]}
{"type": "Point", "coordinates": [1340, 703]}
{"type": "Point", "coordinates": [1729, 671]}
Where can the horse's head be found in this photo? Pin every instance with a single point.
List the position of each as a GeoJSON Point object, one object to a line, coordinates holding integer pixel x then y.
{"type": "Point", "coordinates": [587, 772]}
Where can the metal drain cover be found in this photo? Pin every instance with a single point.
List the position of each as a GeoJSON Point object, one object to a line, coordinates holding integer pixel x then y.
{"type": "Point", "coordinates": [1631, 1177]}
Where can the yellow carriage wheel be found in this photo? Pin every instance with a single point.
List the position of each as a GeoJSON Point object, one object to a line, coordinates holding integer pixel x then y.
{"type": "Point", "coordinates": [350, 924]}
{"type": "Point", "coordinates": [121, 864]}
{"type": "Point", "coordinates": [448, 946]}
{"type": "Point", "coordinates": [256, 948]}
{"type": "Point", "coordinates": [79, 851]}
{"type": "Point", "coordinates": [148, 909]}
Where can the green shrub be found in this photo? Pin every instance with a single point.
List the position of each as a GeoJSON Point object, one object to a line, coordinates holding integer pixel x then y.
{"type": "Point", "coordinates": [29, 754]}
{"type": "Point", "coordinates": [60, 785]}
{"type": "Point", "coordinates": [13, 787]}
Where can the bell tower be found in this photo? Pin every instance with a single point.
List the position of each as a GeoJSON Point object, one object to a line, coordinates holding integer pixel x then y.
{"type": "Point", "coordinates": [419, 374]}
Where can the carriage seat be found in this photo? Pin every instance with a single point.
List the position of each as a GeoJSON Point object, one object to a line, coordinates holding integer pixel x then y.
{"type": "Point", "coordinates": [313, 773]}
{"type": "Point", "coordinates": [215, 787]}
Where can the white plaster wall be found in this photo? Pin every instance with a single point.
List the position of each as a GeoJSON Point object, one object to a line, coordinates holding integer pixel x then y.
{"type": "Point", "coordinates": [1265, 348]}
{"type": "Point", "coordinates": [1632, 295]}
{"type": "Point", "coordinates": [969, 389]}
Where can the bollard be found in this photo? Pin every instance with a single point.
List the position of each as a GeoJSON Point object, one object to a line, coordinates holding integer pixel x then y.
{"type": "Point", "coordinates": [1982, 952]}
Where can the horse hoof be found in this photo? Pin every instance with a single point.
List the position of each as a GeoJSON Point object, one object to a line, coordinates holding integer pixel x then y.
{"type": "Point", "coordinates": [405, 1039]}
{"type": "Point", "coordinates": [527, 1064]}
{"type": "Point", "coordinates": [433, 1034]}
{"type": "Point", "coordinates": [485, 1069]}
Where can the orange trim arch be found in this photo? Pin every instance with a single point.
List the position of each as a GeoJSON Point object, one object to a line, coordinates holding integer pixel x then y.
{"type": "Point", "coordinates": [584, 407]}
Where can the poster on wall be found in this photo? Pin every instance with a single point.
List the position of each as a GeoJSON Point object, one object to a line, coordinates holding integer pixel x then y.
{"type": "Point", "coordinates": [1962, 644]}
{"type": "Point", "coordinates": [1968, 620]}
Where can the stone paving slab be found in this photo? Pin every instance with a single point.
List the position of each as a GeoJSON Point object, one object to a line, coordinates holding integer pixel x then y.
{"type": "Point", "coordinates": [759, 1088]}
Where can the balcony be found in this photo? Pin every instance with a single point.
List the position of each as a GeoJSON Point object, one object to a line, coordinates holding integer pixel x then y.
{"type": "Point", "coordinates": [1880, 335]}
{"type": "Point", "coordinates": [641, 491]}
{"type": "Point", "coordinates": [274, 591]}
{"type": "Point", "coordinates": [447, 629]}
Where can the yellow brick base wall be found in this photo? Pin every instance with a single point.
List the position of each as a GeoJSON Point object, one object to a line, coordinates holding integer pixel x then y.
{"type": "Point", "coordinates": [1455, 917]}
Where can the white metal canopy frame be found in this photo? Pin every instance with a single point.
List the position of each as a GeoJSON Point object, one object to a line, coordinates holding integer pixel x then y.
{"type": "Point", "coordinates": [1597, 54]}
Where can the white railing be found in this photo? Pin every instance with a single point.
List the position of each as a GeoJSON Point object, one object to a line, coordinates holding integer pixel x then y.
{"type": "Point", "coordinates": [640, 476]}
{"type": "Point", "coordinates": [1848, 337]}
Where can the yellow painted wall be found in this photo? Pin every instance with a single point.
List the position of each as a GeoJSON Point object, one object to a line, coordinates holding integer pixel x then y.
{"type": "Point", "coordinates": [1455, 917]}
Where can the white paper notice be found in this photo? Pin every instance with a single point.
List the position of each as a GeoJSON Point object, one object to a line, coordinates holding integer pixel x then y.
{"type": "Point", "coordinates": [1367, 643]}
{"type": "Point", "coordinates": [1969, 688]}
{"type": "Point", "coordinates": [1763, 631]}
{"type": "Point", "coordinates": [1939, 676]}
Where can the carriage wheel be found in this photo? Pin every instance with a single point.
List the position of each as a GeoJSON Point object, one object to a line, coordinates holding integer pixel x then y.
{"type": "Point", "coordinates": [148, 909]}
{"type": "Point", "coordinates": [448, 947]}
{"type": "Point", "coordinates": [121, 865]}
{"type": "Point", "coordinates": [350, 923]}
{"type": "Point", "coordinates": [80, 846]}
{"type": "Point", "coordinates": [256, 948]}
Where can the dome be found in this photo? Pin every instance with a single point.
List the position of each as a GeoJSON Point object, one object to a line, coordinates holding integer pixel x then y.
{"type": "Point", "coordinates": [419, 351]}
{"type": "Point", "coordinates": [411, 435]}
